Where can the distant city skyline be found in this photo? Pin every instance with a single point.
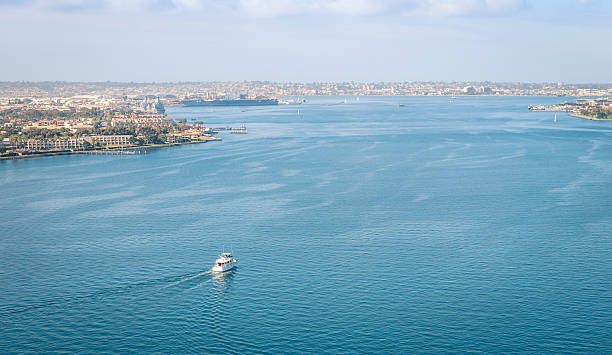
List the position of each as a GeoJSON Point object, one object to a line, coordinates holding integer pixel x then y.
{"type": "Point", "coordinates": [306, 41]}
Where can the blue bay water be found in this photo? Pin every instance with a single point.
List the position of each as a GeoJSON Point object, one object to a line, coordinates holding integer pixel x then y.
{"type": "Point", "coordinates": [358, 225]}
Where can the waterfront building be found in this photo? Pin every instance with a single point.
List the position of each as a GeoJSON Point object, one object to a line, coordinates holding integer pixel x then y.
{"type": "Point", "coordinates": [190, 135]}
{"type": "Point", "coordinates": [176, 138]}
{"type": "Point", "coordinates": [141, 119]}
{"type": "Point", "coordinates": [49, 144]}
{"type": "Point", "coordinates": [118, 139]}
{"type": "Point", "coordinates": [469, 90]}
{"type": "Point", "coordinates": [6, 143]}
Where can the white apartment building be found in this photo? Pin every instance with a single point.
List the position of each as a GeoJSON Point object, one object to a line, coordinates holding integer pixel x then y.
{"type": "Point", "coordinates": [48, 144]}
{"type": "Point", "coordinates": [120, 139]}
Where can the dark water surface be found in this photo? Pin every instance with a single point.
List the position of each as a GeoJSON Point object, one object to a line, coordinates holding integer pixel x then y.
{"type": "Point", "coordinates": [358, 227]}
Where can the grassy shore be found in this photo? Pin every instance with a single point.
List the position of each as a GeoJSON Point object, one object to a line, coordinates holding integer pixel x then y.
{"type": "Point", "coordinates": [577, 115]}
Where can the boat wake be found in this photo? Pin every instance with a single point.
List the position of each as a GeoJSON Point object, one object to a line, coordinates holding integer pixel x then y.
{"type": "Point", "coordinates": [132, 290]}
{"type": "Point", "coordinates": [186, 279]}
{"type": "Point", "coordinates": [199, 285]}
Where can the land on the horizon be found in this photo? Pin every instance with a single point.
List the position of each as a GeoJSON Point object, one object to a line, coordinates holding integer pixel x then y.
{"type": "Point", "coordinates": [64, 117]}
{"type": "Point", "coordinates": [61, 89]}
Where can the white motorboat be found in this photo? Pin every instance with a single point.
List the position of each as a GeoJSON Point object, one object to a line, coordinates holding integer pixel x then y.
{"type": "Point", "coordinates": [224, 262]}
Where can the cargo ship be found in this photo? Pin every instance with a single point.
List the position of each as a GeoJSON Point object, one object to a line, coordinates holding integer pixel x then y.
{"type": "Point", "coordinates": [230, 102]}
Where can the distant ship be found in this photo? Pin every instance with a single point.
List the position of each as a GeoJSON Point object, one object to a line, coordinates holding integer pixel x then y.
{"type": "Point", "coordinates": [159, 106]}
{"type": "Point", "coordinates": [151, 107]}
{"type": "Point", "coordinates": [230, 102]}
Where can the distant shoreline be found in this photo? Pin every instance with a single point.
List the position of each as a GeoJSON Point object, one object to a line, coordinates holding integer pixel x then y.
{"type": "Point", "coordinates": [113, 151]}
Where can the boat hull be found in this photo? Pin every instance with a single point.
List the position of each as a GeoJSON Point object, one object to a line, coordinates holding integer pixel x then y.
{"type": "Point", "coordinates": [224, 268]}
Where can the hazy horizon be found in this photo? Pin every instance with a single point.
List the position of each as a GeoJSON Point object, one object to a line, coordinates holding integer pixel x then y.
{"type": "Point", "coordinates": [303, 82]}
{"type": "Point", "coordinates": [160, 41]}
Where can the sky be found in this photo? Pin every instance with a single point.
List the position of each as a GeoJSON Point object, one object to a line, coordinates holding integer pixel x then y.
{"type": "Point", "coordinates": [567, 41]}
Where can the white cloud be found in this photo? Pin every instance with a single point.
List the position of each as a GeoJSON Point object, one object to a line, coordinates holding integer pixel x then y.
{"type": "Point", "coordinates": [468, 7]}
{"type": "Point", "coordinates": [279, 8]}
{"type": "Point", "coordinates": [273, 8]}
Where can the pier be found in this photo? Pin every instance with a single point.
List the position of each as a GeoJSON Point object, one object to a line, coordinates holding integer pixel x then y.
{"type": "Point", "coordinates": [236, 130]}
{"type": "Point", "coordinates": [112, 152]}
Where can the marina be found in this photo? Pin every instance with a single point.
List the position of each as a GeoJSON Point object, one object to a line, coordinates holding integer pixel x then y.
{"type": "Point", "coordinates": [113, 152]}
{"type": "Point", "coordinates": [239, 130]}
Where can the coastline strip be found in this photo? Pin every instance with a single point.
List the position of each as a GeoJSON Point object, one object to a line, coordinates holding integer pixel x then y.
{"type": "Point", "coordinates": [577, 115]}
{"type": "Point", "coordinates": [114, 151]}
